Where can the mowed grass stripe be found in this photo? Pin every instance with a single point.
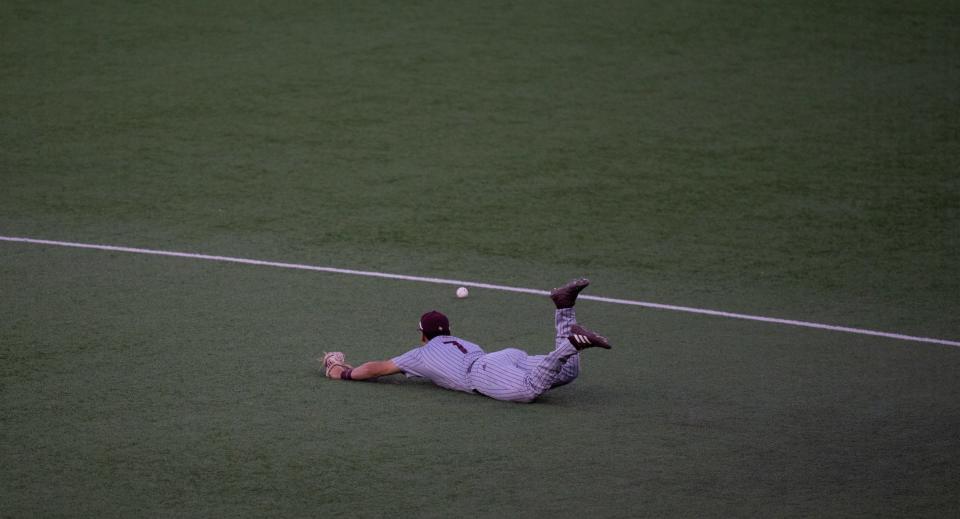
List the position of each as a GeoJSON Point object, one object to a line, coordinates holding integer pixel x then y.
{"type": "Point", "coordinates": [474, 284]}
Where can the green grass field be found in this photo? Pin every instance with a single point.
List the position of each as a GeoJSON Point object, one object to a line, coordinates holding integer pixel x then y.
{"type": "Point", "coordinates": [787, 159]}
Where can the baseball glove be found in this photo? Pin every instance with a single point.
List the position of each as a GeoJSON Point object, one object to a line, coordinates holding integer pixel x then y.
{"type": "Point", "coordinates": [332, 359]}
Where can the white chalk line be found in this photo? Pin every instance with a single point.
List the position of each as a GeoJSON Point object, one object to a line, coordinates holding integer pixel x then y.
{"type": "Point", "coordinates": [473, 284]}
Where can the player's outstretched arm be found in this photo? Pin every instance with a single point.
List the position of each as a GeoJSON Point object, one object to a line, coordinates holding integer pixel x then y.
{"type": "Point", "coordinates": [365, 371]}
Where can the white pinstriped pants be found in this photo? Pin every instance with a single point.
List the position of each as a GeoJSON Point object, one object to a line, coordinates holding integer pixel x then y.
{"type": "Point", "coordinates": [513, 375]}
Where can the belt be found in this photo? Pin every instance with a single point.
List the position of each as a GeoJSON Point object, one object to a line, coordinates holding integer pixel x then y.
{"type": "Point", "coordinates": [469, 370]}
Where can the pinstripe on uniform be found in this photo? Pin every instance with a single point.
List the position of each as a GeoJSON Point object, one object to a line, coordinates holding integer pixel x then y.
{"type": "Point", "coordinates": [509, 374]}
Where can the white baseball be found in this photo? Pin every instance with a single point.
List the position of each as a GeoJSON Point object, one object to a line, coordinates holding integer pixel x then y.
{"type": "Point", "coordinates": [462, 292]}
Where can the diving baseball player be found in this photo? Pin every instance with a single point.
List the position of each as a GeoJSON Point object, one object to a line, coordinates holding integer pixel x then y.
{"type": "Point", "coordinates": [454, 363]}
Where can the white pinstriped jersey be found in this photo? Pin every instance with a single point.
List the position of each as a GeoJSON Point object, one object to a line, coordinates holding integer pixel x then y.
{"type": "Point", "coordinates": [509, 374]}
{"type": "Point", "coordinates": [444, 360]}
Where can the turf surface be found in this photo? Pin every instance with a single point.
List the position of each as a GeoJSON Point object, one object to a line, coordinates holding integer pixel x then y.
{"type": "Point", "coordinates": [791, 160]}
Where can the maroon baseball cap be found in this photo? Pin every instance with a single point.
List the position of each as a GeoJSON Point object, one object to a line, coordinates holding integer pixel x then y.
{"type": "Point", "coordinates": [433, 323]}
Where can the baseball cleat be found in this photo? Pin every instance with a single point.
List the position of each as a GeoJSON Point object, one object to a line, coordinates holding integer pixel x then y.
{"type": "Point", "coordinates": [566, 296]}
{"type": "Point", "coordinates": [582, 338]}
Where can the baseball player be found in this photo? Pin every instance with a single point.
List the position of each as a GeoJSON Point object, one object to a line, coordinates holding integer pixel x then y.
{"type": "Point", "coordinates": [455, 363]}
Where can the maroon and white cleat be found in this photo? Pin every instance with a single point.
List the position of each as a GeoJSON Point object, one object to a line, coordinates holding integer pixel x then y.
{"type": "Point", "coordinates": [566, 296]}
{"type": "Point", "coordinates": [582, 338]}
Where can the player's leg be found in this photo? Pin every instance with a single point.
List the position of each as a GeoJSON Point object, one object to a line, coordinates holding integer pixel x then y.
{"type": "Point", "coordinates": [551, 370]}
{"type": "Point", "coordinates": [564, 298]}
{"type": "Point", "coordinates": [570, 369]}
{"type": "Point", "coordinates": [501, 375]}
{"type": "Point", "coordinates": [564, 319]}
{"type": "Point", "coordinates": [514, 376]}
{"type": "Point", "coordinates": [547, 373]}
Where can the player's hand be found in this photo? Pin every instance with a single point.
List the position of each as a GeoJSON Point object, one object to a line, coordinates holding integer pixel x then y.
{"type": "Point", "coordinates": [332, 360]}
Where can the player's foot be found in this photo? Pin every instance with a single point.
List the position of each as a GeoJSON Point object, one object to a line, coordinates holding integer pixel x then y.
{"type": "Point", "coordinates": [582, 338]}
{"type": "Point", "coordinates": [566, 296]}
